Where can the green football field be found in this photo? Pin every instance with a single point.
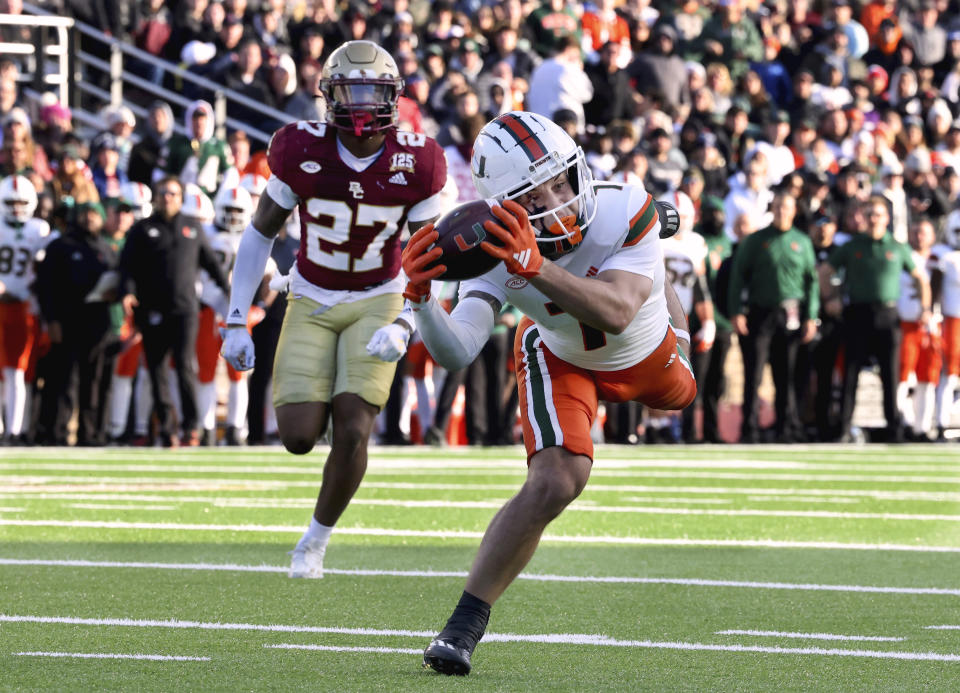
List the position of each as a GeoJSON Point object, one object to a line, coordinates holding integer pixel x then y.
{"type": "Point", "coordinates": [682, 568]}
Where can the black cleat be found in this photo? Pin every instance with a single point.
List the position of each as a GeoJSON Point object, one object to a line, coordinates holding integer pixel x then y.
{"type": "Point", "coordinates": [446, 656]}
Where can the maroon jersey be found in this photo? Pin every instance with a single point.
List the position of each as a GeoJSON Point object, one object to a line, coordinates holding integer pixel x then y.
{"type": "Point", "coordinates": [350, 221]}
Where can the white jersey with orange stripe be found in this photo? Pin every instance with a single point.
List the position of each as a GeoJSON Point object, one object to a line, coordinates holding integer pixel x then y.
{"type": "Point", "coordinates": [19, 247]}
{"type": "Point", "coordinates": [624, 235]}
{"type": "Point", "coordinates": [683, 256]}
{"type": "Point", "coordinates": [950, 296]}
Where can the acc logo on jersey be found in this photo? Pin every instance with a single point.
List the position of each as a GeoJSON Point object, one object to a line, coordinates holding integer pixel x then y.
{"type": "Point", "coordinates": [516, 283]}
{"type": "Point", "coordinates": [310, 167]}
{"type": "Point", "coordinates": [402, 161]}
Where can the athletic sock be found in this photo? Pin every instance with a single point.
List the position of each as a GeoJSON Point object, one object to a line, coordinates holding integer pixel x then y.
{"type": "Point", "coordinates": [317, 535]}
{"type": "Point", "coordinates": [468, 622]}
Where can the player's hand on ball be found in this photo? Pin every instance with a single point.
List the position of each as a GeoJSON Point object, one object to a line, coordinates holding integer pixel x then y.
{"type": "Point", "coordinates": [237, 347]}
{"type": "Point", "coordinates": [415, 258]}
{"type": "Point", "coordinates": [519, 251]}
{"type": "Point", "coordinates": [389, 343]}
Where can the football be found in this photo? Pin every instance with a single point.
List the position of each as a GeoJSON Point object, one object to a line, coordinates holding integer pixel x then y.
{"type": "Point", "coordinates": [461, 232]}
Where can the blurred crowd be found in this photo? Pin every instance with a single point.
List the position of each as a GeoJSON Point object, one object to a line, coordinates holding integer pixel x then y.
{"type": "Point", "coordinates": [816, 122]}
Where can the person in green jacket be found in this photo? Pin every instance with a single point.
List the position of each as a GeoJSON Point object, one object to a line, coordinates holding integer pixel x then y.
{"type": "Point", "coordinates": [201, 158]}
{"type": "Point", "coordinates": [774, 298]}
{"type": "Point", "coordinates": [872, 263]}
{"type": "Point", "coordinates": [730, 37]}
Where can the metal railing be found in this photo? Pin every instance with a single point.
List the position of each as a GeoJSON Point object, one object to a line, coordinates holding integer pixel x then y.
{"type": "Point", "coordinates": [107, 81]}
{"type": "Point", "coordinates": [41, 48]}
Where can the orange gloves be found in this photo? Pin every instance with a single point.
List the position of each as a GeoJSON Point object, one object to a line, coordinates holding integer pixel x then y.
{"type": "Point", "coordinates": [519, 251]}
{"type": "Point", "coordinates": [415, 258]}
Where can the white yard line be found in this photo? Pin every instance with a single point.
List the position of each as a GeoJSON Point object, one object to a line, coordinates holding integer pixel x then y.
{"type": "Point", "coordinates": [415, 464]}
{"type": "Point", "coordinates": [945, 627]}
{"type": "Point", "coordinates": [948, 478]}
{"type": "Point", "coordinates": [105, 655]}
{"type": "Point", "coordinates": [336, 648]}
{"type": "Point", "coordinates": [753, 493]}
{"type": "Point", "coordinates": [809, 636]}
{"type": "Point", "coordinates": [549, 638]}
{"type": "Point", "coordinates": [439, 534]}
{"type": "Point", "coordinates": [108, 506]}
{"type": "Point", "coordinates": [420, 574]}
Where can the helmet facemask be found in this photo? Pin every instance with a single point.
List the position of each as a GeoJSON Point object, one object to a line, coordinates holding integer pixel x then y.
{"type": "Point", "coordinates": [235, 219]}
{"type": "Point", "coordinates": [361, 84]}
{"type": "Point", "coordinates": [561, 228]}
{"type": "Point", "coordinates": [19, 200]}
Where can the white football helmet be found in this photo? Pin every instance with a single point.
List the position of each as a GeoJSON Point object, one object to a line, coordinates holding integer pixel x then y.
{"type": "Point", "coordinates": [361, 84]}
{"type": "Point", "coordinates": [19, 199]}
{"type": "Point", "coordinates": [139, 197]}
{"type": "Point", "coordinates": [518, 151]}
{"type": "Point", "coordinates": [196, 204]}
{"type": "Point", "coordinates": [684, 206]}
{"type": "Point", "coordinates": [233, 209]}
{"type": "Point", "coordinates": [253, 183]}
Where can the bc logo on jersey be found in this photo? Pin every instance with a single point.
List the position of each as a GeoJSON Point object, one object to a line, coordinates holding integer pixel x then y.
{"type": "Point", "coordinates": [356, 189]}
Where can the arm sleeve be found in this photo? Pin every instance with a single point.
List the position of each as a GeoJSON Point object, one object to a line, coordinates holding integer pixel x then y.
{"type": "Point", "coordinates": [252, 255]}
{"type": "Point", "coordinates": [455, 339]}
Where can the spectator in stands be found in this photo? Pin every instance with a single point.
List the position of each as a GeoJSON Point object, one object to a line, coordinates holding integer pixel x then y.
{"type": "Point", "coordinates": [731, 37]}
{"type": "Point", "coordinates": [159, 266]}
{"type": "Point", "coordinates": [151, 33]}
{"type": "Point", "coordinates": [665, 162]}
{"type": "Point", "coordinates": [774, 269]}
{"type": "Point", "coordinates": [188, 25]}
{"type": "Point", "coordinates": [840, 16]}
{"type": "Point", "coordinates": [283, 80]}
{"type": "Point", "coordinates": [560, 83]}
{"type": "Point", "coordinates": [9, 98]}
{"type": "Point", "coordinates": [749, 195]}
{"type": "Point", "coordinates": [56, 123]}
{"type": "Point", "coordinates": [79, 325]}
{"type": "Point", "coordinates": [659, 69]}
{"type": "Point", "coordinates": [550, 22]}
{"type": "Point", "coordinates": [928, 38]}
{"type": "Point", "coordinates": [270, 25]}
{"type": "Point", "coordinates": [311, 47]}
{"type": "Point", "coordinates": [504, 48]}
{"type": "Point", "coordinates": [603, 24]}
{"type": "Point", "coordinates": [145, 153]}
{"type": "Point", "coordinates": [924, 197]}
{"type": "Point", "coordinates": [71, 184]}
{"type": "Point", "coordinates": [249, 78]}
{"type": "Point", "coordinates": [772, 73]}
{"type": "Point", "coordinates": [105, 167]}
{"type": "Point", "coordinates": [201, 157]}
{"type": "Point", "coordinates": [19, 154]}
{"type": "Point", "coordinates": [305, 103]}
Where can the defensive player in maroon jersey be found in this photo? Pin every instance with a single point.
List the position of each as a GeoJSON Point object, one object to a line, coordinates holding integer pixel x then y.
{"type": "Point", "coordinates": [356, 181]}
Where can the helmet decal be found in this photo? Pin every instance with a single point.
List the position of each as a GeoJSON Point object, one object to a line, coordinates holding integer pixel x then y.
{"type": "Point", "coordinates": [523, 136]}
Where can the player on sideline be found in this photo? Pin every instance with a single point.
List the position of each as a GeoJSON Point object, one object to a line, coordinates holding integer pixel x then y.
{"type": "Point", "coordinates": [583, 261]}
{"type": "Point", "coordinates": [21, 238]}
{"type": "Point", "coordinates": [356, 181]}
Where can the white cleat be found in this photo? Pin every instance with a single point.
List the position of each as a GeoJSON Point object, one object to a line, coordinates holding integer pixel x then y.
{"type": "Point", "coordinates": [307, 561]}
